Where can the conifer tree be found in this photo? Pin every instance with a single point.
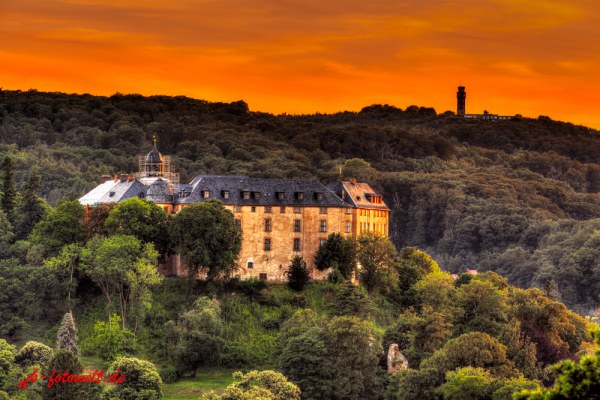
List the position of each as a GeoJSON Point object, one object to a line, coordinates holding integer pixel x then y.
{"type": "Point", "coordinates": [67, 335]}
{"type": "Point", "coordinates": [297, 273]}
{"type": "Point", "coordinates": [32, 209]}
{"type": "Point", "coordinates": [9, 192]}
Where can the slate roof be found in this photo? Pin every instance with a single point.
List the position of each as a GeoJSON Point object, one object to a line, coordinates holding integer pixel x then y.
{"type": "Point", "coordinates": [122, 191]}
{"type": "Point", "coordinates": [154, 156]}
{"type": "Point", "coordinates": [97, 193]}
{"type": "Point", "coordinates": [358, 194]}
{"type": "Point", "coordinates": [267, 188]}
{"type": "Point", "coordinates": [160, 191]}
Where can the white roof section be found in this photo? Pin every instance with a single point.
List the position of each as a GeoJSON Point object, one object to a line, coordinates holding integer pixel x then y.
{"type": "Point", "coordinates": [96, 194]}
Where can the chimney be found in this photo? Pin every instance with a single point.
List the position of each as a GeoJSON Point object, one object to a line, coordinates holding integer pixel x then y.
{"type": "Point", "coordinates": [353, 181]}
{"type": "Point", "coordinates": [105, 178]}
{"type": "Point", "coordinates": [116, 178]}
{"type": "Point", "coordinates": [123, 177]}
{"type": "Point", "coordinates": [128, 177]}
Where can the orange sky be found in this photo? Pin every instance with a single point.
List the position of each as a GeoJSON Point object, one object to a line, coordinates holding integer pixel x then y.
{"type": "Point", "coordinates": [533, 57]}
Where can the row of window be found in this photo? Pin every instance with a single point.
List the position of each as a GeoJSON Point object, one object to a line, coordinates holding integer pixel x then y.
{"type": "Point", "coordinates": [297, 210]}
{"type": "Point", "coordinates": [296, 247]}
{"type": "Point", "coordinates": [246, 194]}
{"type": "Point", "coordinates": [365, 226]}
{"type": "Point", "coordinates": [297, 226]}
{"type": "Point", "coordinates": [376, 213]}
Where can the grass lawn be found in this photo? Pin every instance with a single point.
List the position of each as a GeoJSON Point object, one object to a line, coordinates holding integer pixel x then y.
{"type": "Point", "coordinates": [204, 382]}
{"type": "Point", "coordinates": [185, 388]}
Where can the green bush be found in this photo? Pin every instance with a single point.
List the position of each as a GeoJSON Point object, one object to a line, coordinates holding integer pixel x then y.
{"type": "Point", "coordinates": [169, 375]}
{"type": "Point", "coordinates": [110, 341]}
{"type": "Point", "coordinates": [271, 323]}
{"type": "Point", "coordinates": [299, 301]}
{"type": "Point", "coordinates": [142, 381]}
{"type": "Point", "coordinates": [34, 353]}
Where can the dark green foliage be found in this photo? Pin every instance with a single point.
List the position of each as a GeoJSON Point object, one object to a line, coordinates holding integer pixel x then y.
{"type": "Point", "coordinates": [339, 252]}
{"type": "Point", "coordinates": [142, 381]}
{"type": "Point", "coordinates": [31, 208]}
{"type": "Point", "coordinates": [351, 301]}
{"type": "Point", "coordinates": [7, 357]}
{"type": "Point", "coordinates": [197, 340]}
{"type": "Point", "coordinates": [61, 227]}
{"type": "Point", "coordinates": [206, 235]}
{"type": "Point", "coordinates": [297, 274]}
{"type": "Point", "coordinates": [463, 279]}
{"type": "Point", "coordinates": [299, 301]}
{"type": "Point", "coordinates": [9, 192]}
{"type": "Point", "coordinates": [64, 361]}
{"type": "Point", "coordinates": [271, 323]}
{"type": "Point", "coordinates": [144, 220]}
{"type": "Point", "coordinates": [169, 375]}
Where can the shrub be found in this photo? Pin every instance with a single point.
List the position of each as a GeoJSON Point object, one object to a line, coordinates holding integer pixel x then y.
{"type": "Point", "coordinates": [169, 375]}
{"type": "Point", "coordinates": [64, 361]}
{"type": "Point", "coordinates": [299, 301]}
{"type": "Point", "coordinates": [264, 385]}
{"type": "Point", "coordinates": [142, 381]}
{"type": "Point", "coordinates": [111, 341]}
{"type": "Point", "coordinates": [34, 353]}
{"type": "Point", "coordinates": [271, 323]}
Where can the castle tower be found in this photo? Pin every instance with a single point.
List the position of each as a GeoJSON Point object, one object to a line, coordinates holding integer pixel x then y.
{"type": "Point", "coordinates": [461, 96]}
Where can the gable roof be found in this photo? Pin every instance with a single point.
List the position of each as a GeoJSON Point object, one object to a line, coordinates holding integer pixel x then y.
{"type": "Point", "coordinates": [123, 191]}
{"type": "Point", "coordinates": [360, 193]}
{"type": "Point", "coordinates": [93, 196]}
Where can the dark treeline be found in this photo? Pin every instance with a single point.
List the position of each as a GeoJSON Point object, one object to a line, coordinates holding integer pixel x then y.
{"type": "Point", "coordinates": [518, 197]}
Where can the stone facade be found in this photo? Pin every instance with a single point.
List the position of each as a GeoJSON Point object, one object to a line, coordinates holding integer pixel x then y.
{"type": "Point", "coordinates": [280, 218]}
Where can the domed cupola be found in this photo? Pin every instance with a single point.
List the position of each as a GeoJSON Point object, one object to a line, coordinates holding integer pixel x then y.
{"type": "Point", "coordinates": [160, 192]}
{"type": "Point", "coordinates": [154, 157]}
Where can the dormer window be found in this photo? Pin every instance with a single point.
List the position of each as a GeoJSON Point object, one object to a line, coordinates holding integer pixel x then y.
{"type": "Point", "coordinates": [205, 194]}
{"type": "Point", "coordinates": [111, 194]}
{"type": "Point", "coordinates": [256, 195]}
{"type": "Point", "coordinates": [246, 194]}
{"type": "Point", "coordinates": [343, 195]}
{"type": "Point", "coordinates": [225, 194]}
{"type": "Point", "coordinates": [279, 195]}
{"type": "Point", "coordinates": [300, 195]}
{"type": "Point", "coordinates": [319, 196]}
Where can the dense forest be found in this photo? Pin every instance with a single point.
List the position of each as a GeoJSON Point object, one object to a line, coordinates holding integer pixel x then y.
{"type": "Point", "coordinates": [518, 197]}
{"type": "Point", "coordinates": [517, 200]}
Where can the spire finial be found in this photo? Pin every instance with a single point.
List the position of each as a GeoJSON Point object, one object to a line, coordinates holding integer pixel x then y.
{"type": "Point", "coordinates": [154, 137]}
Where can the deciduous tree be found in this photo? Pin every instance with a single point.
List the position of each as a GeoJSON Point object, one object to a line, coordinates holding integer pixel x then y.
{"type": "Point", "coordinates": [376, 257]}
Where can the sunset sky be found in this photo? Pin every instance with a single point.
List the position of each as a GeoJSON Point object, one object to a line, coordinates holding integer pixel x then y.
{"type": "Point", "coordinates": [532, 57]}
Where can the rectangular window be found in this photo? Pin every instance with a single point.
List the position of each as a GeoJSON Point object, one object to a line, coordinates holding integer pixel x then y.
{"type": "Point", "coordinates": [253, 209]}
{"type": "Point", "coordinates": [250, 264]}
{"type": "Point", "coordinates": [166, 208]}
{"type": "Point", "coordinates": [282, 210]}
{"type": "Point", "coordinates": [297, 225]}
{"type": "Point", "coordinates": [322, 242]}
{"type": "Point", "coordinates": [256, 195]}
{"type": "Point", "coordinates": [323, 210]}
{"type": "Point", "coordinates": [206, 193]}
{"type": "Point", "coordinates": [297, 210]}
{"type": "Point", "coordinates": [319, 196]}
{"type": "Point", "coordinates": [348, 211]}
{"type": "Point", "coordinates": [348, 226]}
{"type": "Point", "coordinates": [225, 194]}
{"type": "Point", "coordinates": [246, 194]}
{"type": "Point", "coordinates": [267, 225]}
{"type": "Point", "coordinates": [262, 277]}
{"type": "Point", "coordinates": [238, 208]}
{"type": "Point", "coordinates": [267, 244]}
{"type": "Point", "coordinates": [323, 226]}
{"type": "Point", "coordinates": [300, 195]}
{"type": "Point", "coordinates": [238, 223]}
{"type": "Point", "coordinates": [267, 209]}
{"type": "Point", "coordinates": [296, 244]}
{"type": "Point", "coordinates": [280, 195]}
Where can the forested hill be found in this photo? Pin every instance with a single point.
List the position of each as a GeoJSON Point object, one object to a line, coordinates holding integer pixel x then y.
{"type": "Point", "coordinates": [518, 197]}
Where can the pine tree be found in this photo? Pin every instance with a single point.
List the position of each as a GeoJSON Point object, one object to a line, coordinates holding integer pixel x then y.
{"type": "Point", "coordinates": [9, 192]}
{"type": "Point", "coordinates": [297, 274]}
{"type": "Point", "coordinates": [32, 209]}
{"type": "Point", "coordinates": [67, 335]}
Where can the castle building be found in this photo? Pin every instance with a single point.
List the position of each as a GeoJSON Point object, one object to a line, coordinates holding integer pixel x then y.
{"type": "Point", "coordinates": [279, 218]}
{"type": "Point", "coordinates": [461, 97]}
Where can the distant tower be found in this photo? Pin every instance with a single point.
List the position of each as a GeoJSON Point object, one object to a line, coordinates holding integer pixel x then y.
{"type": "Point", "coordinates": [461, 96]}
